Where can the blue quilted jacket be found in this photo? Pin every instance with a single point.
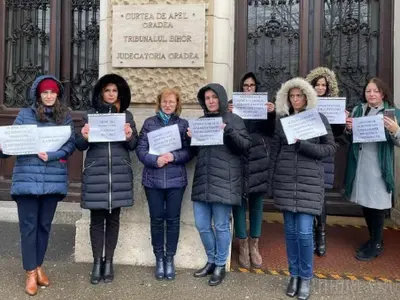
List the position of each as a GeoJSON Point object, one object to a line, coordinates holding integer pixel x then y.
{"type": "Point", "coordinates": [173, 175]}
{"type": "Point", "coordinates": [33, 176]}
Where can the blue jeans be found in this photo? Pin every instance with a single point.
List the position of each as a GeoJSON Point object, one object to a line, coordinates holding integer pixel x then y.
{"type": "Point", "coordinates": [215, 243]}
{"type": "Point", "coordinates": [35, 214]}
{"type": "Point", "coordinates": [299, 244]}
{"type": "Point", "coordinates": [165, 209]}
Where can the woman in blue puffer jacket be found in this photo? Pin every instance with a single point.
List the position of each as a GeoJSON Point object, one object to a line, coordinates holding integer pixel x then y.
{"type": "Point", "coordinates": [40, 181]}
{"type": "Point", "coordinates": [164, 179]}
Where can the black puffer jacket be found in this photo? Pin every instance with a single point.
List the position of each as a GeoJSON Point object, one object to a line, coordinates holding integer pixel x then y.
{"type": "Point", "coordinates": [298, 180]}
{"type": "Point", "coordinates": [218, 174]}
{"type": "Point", "coordinates": [257, 162]}
{"type": "Point", "coordinates": [107, 174]}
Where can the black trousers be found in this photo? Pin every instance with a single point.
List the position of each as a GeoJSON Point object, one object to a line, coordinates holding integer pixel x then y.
{"type": "Point", "coordinates": [375, 219]}
{"type": "Point", "coordinates": [165, 209]}
{"type": "Point", "coordinates": [35, 214]}
{"type": "Point", "coordinates": [104, 230]}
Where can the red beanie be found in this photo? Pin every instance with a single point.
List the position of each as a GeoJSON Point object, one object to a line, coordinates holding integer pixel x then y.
{"type": "Point", "coordinates": [48, 84]}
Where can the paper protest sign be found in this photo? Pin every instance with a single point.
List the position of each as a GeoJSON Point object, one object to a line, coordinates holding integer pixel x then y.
{"type": "Point", "coordinates": [250, 106]}
{"type": "Point", "coordinates": [164, 140]}
{"type": "Point", "coordinates": [368, 129]}
{"type": "Point", "coordinates": [19, 140]}
{"type": "Point", "coordinates": [333, 108]}
{"type": "Point", "coordinates": [106, 127]}
{"type": "Point", "coordinates": [206, 131]}
{"type": "Point", "coordinates": [303, 126]}
{"type": "Point", "coordinates": [52, 138]}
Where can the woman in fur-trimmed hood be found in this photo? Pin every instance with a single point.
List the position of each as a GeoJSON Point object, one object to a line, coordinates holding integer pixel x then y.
{"type": "Point", "coordinates": [332, 89]}
{"type": "Point", "coordinates": [107, 183]}
{"type": "Point", "coordinates": [324, 81]}
{"type": "Point", "coordinates": [298, 182]}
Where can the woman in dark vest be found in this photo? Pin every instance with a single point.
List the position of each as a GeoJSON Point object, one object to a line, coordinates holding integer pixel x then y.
{"type": "Point", "coordinates": [325, 84]}
{"type": "Point", "coordinates": [256, 163]}
{"type": "Point", "coordinates": [165, 180]}
{"type": "Point", "coordinates": [218, 182]}
{"type": "Point", "coordinates": [40, 181]}
{"type": "Point", "coordinates": [298, 182]}
{"type": "Point", "coordinates": [370, 174]}
{"type": "Point", "coordinates": [107, 175]}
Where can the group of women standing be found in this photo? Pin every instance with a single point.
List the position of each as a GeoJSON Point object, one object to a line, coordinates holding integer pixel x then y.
{"type": "Point", "coordinates": [254, 161]}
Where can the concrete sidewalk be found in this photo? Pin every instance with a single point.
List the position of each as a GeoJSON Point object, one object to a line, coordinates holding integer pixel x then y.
{"type": "Point", "coordinates": [70, 280]}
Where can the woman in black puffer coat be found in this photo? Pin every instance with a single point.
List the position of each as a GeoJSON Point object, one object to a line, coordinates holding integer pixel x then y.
{"type": "Point", "coordinates": [298, 182]}
{"type": "Point", "coordinates": [218, 182]}
{"type": "Point", "coordinates": [257, 163]}
{"type": "Point", "coordinates": [325, 84]}
{"type": "Point", "coordinates": [107, 175]}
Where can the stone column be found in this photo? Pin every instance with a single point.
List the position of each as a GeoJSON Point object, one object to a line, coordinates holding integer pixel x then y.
{"type": "Point", "coordinates": [396, 96]}
{"type": "Point", "coordinates": [134, 246]}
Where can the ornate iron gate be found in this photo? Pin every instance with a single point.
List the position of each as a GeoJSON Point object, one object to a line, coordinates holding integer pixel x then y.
{"type": "Point", "coordinates": [47, 37]}
{"type": "Point", "coordinates": [39, 36]}
{"type": "Point", "coordinates": [287, 38]}
{"type": "Point", "coordinates": [281, 39]}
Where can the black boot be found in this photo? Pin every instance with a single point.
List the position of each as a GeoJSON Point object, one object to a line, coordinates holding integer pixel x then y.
{"type": "Point", "coordinates": [321, 241]}
{"type": "Point", "coordinates": [304, 289]}
{"type": "Point", "coordinates": [204, 271]}
{"type": "Point", "coordinates": [371, 252]}
{"type": "Point", "coordinates": [169, 268]}
{"type": "Point", "coordinates": [108, 271]}
{"type": "Point", "coordinates": [217, 276]}
{"type": "Point", "coordinates": [159, 272]}
{"type": "Point", "coordinates": [97, 270]}
{"type": "Point", "coordinates": [292, 287]}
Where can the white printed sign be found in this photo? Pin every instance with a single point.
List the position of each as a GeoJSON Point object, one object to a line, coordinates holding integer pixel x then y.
{"type": "Point", "coordinates": [368, 129]}
{"type": "Point", "coordinates": [303, 126]}
{"type": "Point", "coordinates": [19, 140]}
{"type": "Point", "coordinates": [206, 131]}
{"type": "Point", "coordinates": [52, 138]}
{"type": "Point", "coordinates": [106, 127]}
{"type": "Point", "coordinates": [250, 106]}
{"type": "Point", "coordinates": [164, 140]}
{"type": "Point", "coordinates": [333, 108]}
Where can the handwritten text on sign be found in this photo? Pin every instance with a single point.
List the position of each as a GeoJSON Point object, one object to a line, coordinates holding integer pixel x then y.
{"type": "Point", "coordinates": [106, 127]}
{"type": "Point", "coordinates": [206, 131]}
{"type": "Point", "coordinates": [368, 129]}
{"type": "Point", "coordinates": [303, 126]}
{"type": "Point", "coordinates": [19, 140]}
{"type": "Point", "coordinates": [164, 140]}
{"type": "Point", "coordinates": [149, 36]}
{"type": "Point", "coordinates": [30, 139]}
{"type": "Point", "coordinates": [250, 106]}
{"type": "Point", "coordinates": [52, 138]}
{"type": "Point", "coordinates": [333, 108]}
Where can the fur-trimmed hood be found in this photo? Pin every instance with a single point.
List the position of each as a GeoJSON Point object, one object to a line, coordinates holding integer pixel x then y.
{"type": "Point", "coordinates": [330, 77]}
{"type": "Point", "coordinates": [124, 92]}
{"type": "Point", "coordinates": [282, 97]}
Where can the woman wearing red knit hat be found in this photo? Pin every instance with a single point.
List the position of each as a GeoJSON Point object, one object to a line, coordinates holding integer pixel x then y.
{"type": "Point", "coordinates": [40, 181]}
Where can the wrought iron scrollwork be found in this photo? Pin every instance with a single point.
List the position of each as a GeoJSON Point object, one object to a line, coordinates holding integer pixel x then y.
{"type": "Point", "coordinates": [85, 49]}
{"type": "Point", "coordinates": [27, 48]}
{"type": "Point", "coordinates": [350, 43]}
{"type": "Point", "coordinates": [273, 42]}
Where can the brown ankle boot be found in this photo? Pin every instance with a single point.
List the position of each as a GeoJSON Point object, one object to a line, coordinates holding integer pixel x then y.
{"type": "Point", "coordinates": [42, 278]}
{"type": "Point", "coordinates": [244, 257]}
{"type": "Point", "coordinates": [31, 283]}
{"type": "Point", "coordinates": [255, 256]}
